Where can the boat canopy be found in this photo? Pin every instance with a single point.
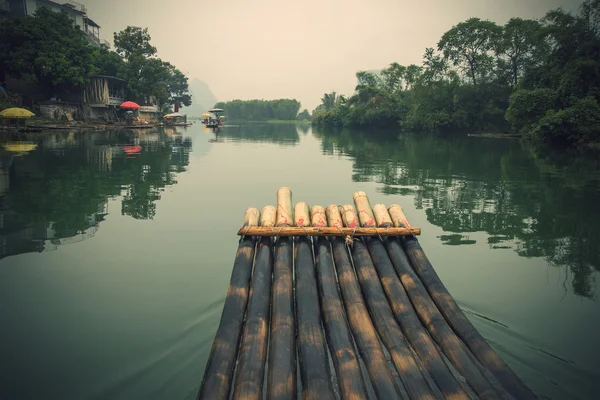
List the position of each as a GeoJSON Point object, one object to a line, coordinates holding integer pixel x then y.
{"type": "Point", "coordinates": [216, 110]}
{"type": "Point", "coordinates": [173, 115]}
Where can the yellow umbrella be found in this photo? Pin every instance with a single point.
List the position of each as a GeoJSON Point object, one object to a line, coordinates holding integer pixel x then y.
{"type": "Point", "coordinates": [16, 113]}
{"type": "Point", "coordinates": [19, 147]}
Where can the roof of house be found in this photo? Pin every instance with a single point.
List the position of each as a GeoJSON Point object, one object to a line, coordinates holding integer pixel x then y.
{"type": "Point", "coordinates": [64, 6]}
{"type": "Point", "coordinates": [91, 22]}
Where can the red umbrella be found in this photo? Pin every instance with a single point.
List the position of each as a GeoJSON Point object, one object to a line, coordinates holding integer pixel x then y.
{"type": "Point", "coordinates": [130, 104]}
{"type": "Point", "coordinates": [132, 149]}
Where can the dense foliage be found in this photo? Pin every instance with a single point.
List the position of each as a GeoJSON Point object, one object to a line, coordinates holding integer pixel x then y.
{"type": "Point", "coordinates": [260, 110]}
{"type": "Point", "coordinates": [304, 115]}
{"type": "Point", "coordinates": [540, 78]}
{"type": "Point", "coordinates": [149, 79]}
{"type": "Point", "coordinates": [47, 49]}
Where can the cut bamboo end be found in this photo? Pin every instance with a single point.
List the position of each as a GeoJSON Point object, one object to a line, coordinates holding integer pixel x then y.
{"type": "Point", "coordinates": [382, 217]}
{"type": "Point", "coordinates": [301, 214]}
{"type": "Point", "coordinates": [398, 217]}
{"type": "Point", "coordinates": [363, 208]}
{"type": "Point", "coordinates": [334, 218]}
{"type": "Point", "coordinates": [251, 216]}
{"type": "Point", "coordinates": [349, 217]}
{"type": "Point", "coordinates": [287, 231]}
{"type": "Point", "coordinates": [358, 194]}
{"type": "Point", "coordinates": [268, 216]}
{"type": "Point", "coordinates": [284, 207]}
{"type": "Point", "coordinates": [317, 216]}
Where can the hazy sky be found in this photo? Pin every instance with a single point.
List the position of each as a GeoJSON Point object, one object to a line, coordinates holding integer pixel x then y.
{"type": "Point", "coordinates": [297, 49]}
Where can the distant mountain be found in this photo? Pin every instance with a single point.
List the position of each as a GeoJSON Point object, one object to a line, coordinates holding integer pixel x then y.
{"type": "Point", "coordinates": [202, 98]}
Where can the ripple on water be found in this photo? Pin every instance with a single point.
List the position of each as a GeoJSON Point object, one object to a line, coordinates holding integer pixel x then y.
{"type": "Point", "coordinates": [177, 357]}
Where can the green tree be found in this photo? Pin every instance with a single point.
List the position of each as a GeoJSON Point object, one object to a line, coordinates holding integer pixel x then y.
{"type": "Point", "coordinates": [303, 115]}
{"type": "Point", "coordinates": [527, 107]}
{"type": "Point", "coordinates": [257, 110]}
{"type": "Point", "coordinates": [412, 75]}
{"type": "Point", "coordinates": [435, 67]}
{"type": "Point", "coordinates": [134, 41]}
{"type": "Point", "coordinates": [177, 87]}
{"type": "Point", "coordinates": [47, 49]}
{"type": "Point", "coordinates": [559, 98]}
{"type": "Point", "coordinates": [331, 100]}
{"type": "Point", "coordinates": [149, 79]}
{"type": "Point", "coordinates": [107, 62]}
{"type": "Point", "coordinates": [393, 77]}
{"type": "Point", "coordinates": [518, 44]}
{"type": "Point", "coordinates": [468, 46]}
{"type": "Point", "coordinates": [540, 78]}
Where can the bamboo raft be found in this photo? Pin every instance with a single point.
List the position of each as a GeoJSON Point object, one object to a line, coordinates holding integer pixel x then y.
{"type": "Point", "coordinates": [342, 303]}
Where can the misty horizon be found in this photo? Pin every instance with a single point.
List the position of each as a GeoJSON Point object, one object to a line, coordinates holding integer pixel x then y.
{"type": "Point", "coordinates": [271, 50]}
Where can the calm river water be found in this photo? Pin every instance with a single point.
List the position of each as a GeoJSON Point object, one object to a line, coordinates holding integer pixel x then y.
{"type": "Point", "coordinates": [116, 248]}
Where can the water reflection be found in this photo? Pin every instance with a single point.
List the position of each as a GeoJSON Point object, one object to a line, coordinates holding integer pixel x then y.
{"type": "Point", "coordinates": [54, 188]}
{"type": "Point", "coordinates": [282, 134]}
{"type": "Point", "coordinates": [537, 202]}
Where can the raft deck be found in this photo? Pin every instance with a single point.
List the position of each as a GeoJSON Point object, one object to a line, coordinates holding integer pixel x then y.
{"type": "Point", "coordinates": [342, 303]}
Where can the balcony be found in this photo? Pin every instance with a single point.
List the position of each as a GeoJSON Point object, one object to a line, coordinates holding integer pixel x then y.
{"type": "Point", "coordinates": [93, 37]}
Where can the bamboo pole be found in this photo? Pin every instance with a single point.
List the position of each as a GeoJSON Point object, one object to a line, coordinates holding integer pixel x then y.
{"type": "Point", "coordinates": [301, 214]}
{"type": "Point", "coordinates": [429, 313]}
{"type": "Point", "coordinates": [312, 348]}
{"type": "Point", "coordinates": [285, 231]}
{"type": "Point", "coordinates": [363, 207]}
{"type": "Point", "coordinates": [281, 379]}
{"type": "Point", "coordinates": [349, 218]}
{"type": "Point", "coordinates": [317, 217]}
{"type": "Point", "coordinates": [253, 350]}
{"type": "Point", "coordinates": [454, 315]}
{"type": "Point", "coordinates": [362, 328]}
{"type": "Point", "coordinates": [410, 323]}
{"type": "Point", "coordinates": [269, 215]}
{"type": "Point", "coordinates": [390, 333]}
{"type": "Point", "coordinates": [339, 338]}
{"type": "Point", "coordinates": [449, 343]}
{"type": "Point", "coordinates": [407, 317]}
{"type": "Point", "coordinates": [218, 374]}
{"type": "Point", "coordinates": [334, 218]}
{"type": "Point", "coordinates": [284, 207]}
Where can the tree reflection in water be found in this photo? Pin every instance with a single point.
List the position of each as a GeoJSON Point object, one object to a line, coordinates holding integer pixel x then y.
{"type": "Point", "coordinates": [60, 190]}
{"type": "Point", "coordinates": [539, 202]}
{"type": "Point", "coordinates": [282, 134]}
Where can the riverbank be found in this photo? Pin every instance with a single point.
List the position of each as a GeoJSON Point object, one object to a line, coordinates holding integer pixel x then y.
{"type": "Point", "coordinates": [497, 135]}
{"type": "Point", "coordinates": [272, 121]}
{"type": "Point", "coordinates": [592, 145]}
{"type": "Point", "coordinates": [284, 121]}
{"type": "Point", "coordinates": [40, 124]}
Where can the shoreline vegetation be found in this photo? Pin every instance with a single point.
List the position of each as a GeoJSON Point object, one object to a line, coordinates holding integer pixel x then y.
{"type": "Point", "coordinates": [271, 111]}
{"type": "Point", "coordinates": [532, 78]}
{"type": "Point", "coordinates": [279, 111]}
{"type": "Point", "coordinates": [45, 56]}
{"type": "Point", "coordinates": [535, 78]}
